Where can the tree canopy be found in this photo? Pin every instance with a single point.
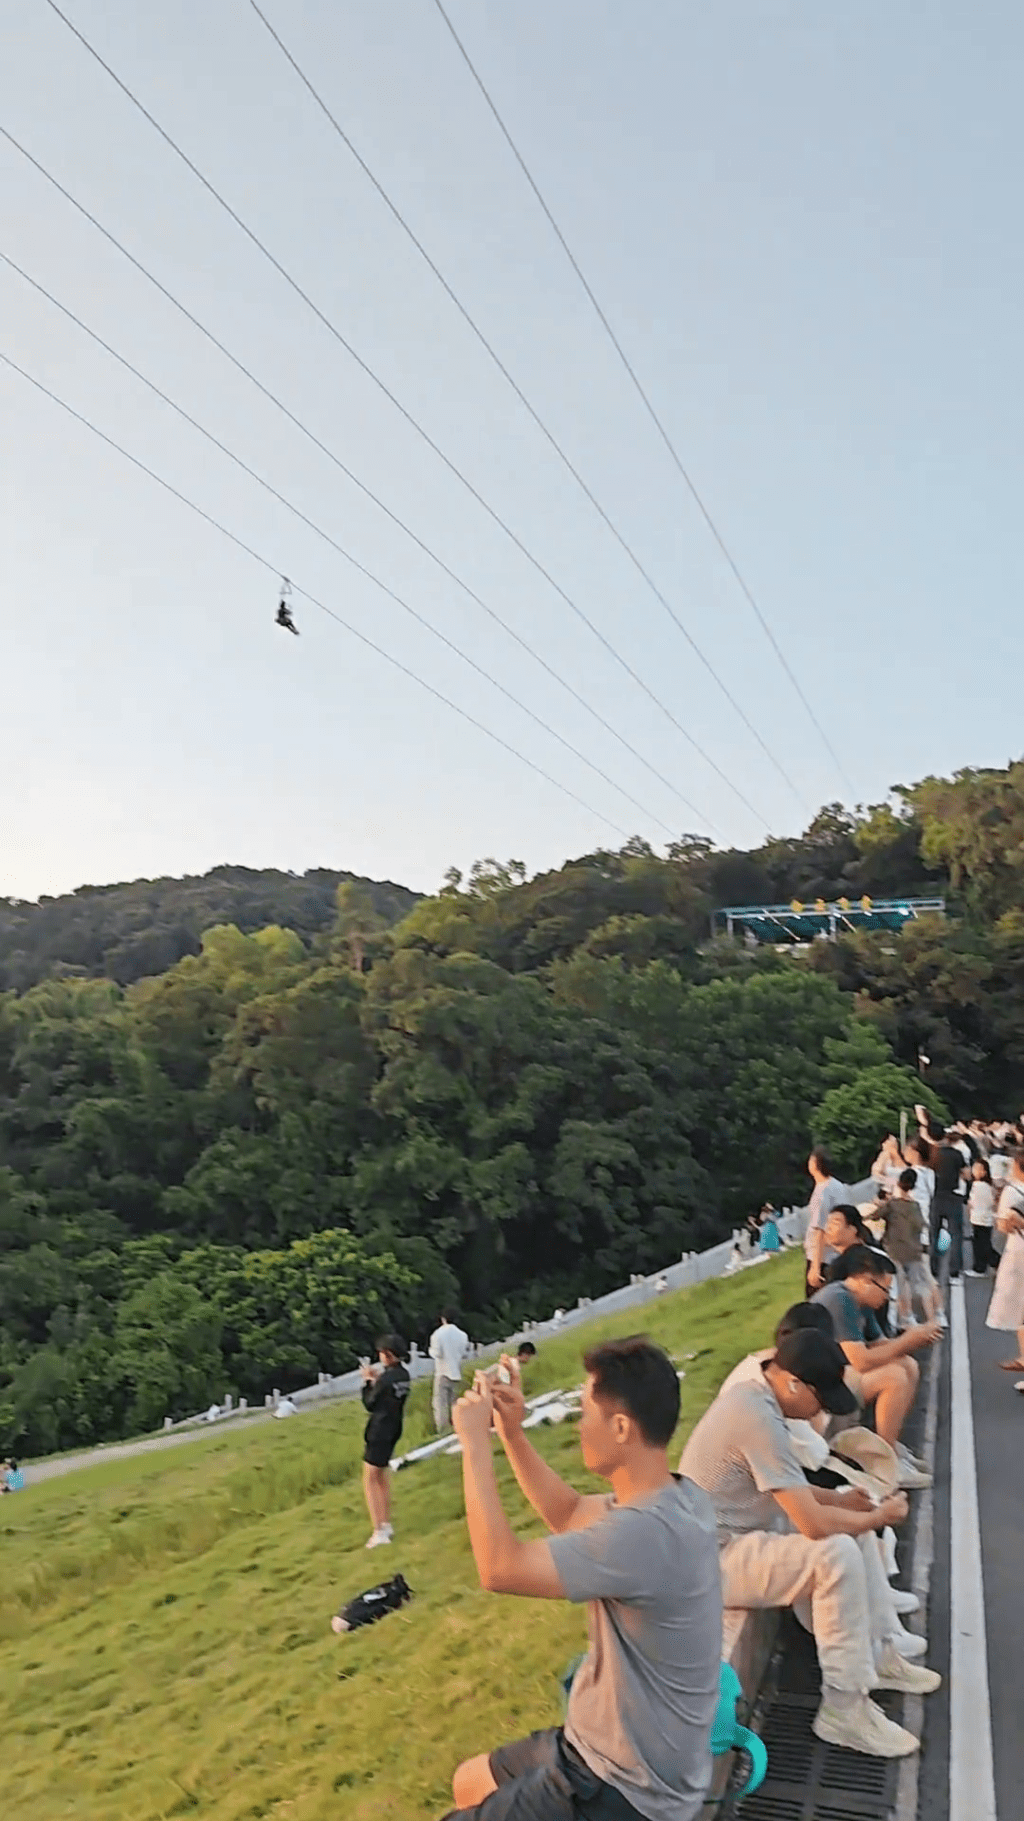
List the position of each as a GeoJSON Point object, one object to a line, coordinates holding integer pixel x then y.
{"type": "Point", "coordinates": [249, 1121]}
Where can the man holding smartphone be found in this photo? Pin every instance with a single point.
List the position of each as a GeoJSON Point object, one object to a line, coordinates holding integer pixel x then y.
{"type": "Point", "coordinates": [634, 1746]}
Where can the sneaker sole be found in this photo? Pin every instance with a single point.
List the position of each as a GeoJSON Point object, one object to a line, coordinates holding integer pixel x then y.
{"type": "Point", "coordinates": [929, 1684]}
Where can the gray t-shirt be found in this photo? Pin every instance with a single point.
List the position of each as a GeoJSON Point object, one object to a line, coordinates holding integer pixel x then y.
{"type": "Point", "coordinates": [642, 1703]}
{"type": "Point", "coordinates": [741, 1452]}
{"type": "Point", "coordinates": [850, 1321]}
{"type": "Point", "coordinates": [827, 1195]}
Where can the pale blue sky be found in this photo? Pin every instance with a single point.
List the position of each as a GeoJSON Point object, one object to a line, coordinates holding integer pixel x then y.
{"type": "Point", "coordinates": [803, 221]}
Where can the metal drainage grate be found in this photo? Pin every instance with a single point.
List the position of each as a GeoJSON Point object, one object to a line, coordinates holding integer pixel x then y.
{"type": "Point", "coordinates": [809, 1781]}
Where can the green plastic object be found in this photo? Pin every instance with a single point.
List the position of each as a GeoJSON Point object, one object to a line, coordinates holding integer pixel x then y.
{"type": "Point", "coordinates": [726, 1733]}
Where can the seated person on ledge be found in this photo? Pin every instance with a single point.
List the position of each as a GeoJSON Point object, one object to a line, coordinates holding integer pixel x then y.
{"type": "Point", "coordinates": [888, 1376]}
{"type": "Point", "coordinates": [783, 1542]}
{"type": "Point", "coordinates": [635, 1739]}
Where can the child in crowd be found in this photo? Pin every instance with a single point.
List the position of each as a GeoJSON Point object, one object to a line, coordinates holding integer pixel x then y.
{"type": "Point", "coordinates": [981, 1212]}
{"type": "Point", "coordinates": [385, 1389]}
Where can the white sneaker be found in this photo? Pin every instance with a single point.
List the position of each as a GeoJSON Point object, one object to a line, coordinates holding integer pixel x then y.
{"type": "Point", "coordinates": [942, 1319]}
{"type": "Point", "coordinates": [907, 1454]}
{"type": "Point", "coordinates": [863, 1727]}
{"type": "Point", "coordinates": [904, 1602]}
{"type": "Point", "coordinates": [908, 1644]}
{"type": "Point", "coordinates": [1019, 1386]}
{"type": "Point", "coordinates": [388, 1529]}
{"type": "Point", "coordinates": [889, 1562]}
{"type": "Point", "coordinates": [895, 1672]}
{"type": "Point", "coordinates": [911, 1479]}
{"type": "Point", "coordinates": [378, 1539]}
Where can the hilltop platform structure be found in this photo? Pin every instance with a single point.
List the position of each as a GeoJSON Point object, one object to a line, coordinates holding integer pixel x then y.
{"type": "Point", "coordinates": [797, 923]}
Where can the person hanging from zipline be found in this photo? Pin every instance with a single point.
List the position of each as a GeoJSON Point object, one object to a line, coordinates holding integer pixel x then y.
{"type": "Point", "coordinates": [284, 612]}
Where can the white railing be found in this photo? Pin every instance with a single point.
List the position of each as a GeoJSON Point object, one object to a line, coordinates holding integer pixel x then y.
{"type": "Point", "coordinates": [693, 1268]}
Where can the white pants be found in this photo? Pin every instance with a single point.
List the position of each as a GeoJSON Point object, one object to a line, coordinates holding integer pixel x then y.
{"type": "Point", "coordinates": [836, 1585]}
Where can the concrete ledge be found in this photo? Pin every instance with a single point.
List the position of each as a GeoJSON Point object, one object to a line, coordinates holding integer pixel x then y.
{"type": "Point", "coordinates": [748, 1639]}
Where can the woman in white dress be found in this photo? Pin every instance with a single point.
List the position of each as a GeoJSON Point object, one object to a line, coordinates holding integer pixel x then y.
{"type": "Point", "coordinates": [1006, 1310]}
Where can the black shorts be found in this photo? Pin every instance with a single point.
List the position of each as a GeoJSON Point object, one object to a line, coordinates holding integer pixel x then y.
{"type": "Point", "coordinates": [378, 1449]}
{"type": "Point", "coordinates": [543, 1779]}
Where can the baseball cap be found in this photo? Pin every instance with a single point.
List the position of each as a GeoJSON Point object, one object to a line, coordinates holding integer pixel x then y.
{"type": "Point", "coordinates": [819, 1363]}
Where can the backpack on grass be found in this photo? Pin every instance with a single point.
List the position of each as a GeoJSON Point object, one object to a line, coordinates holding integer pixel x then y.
{"type": "Point", "coordinates": [368, 1607]}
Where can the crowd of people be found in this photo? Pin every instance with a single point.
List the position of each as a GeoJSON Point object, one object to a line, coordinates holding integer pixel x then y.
{"type": "Point", "coordinates": [789, 1493]}
{"type": "Point", "coordinates": [946, 1189]}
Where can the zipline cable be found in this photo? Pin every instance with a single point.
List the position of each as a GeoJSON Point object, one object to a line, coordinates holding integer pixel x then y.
{"type": "Point", "coordinates": [260, 480]}
{"type": "Point", "coordinates": [546, 432]}
{"type": "Point", "coordinates": [275, 570]}
{"type": "Point", "coordinates": [642, 394]}
{"type": "Point", "coordinates": [364, 367]}
{"type": "Point", "coordinates": [248, 374]}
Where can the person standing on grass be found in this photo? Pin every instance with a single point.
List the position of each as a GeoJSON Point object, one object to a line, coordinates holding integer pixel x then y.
{"type": "Point", "coordinates": [828, 1193]}
{"type": "Point", "coordinates": [1006, 1310]}
{"type": "Point", "coordinates": [644, 1557]}
{"type": "Point", "coordinates": [385, 1390]}
{"type": "Point", "coordinates": [448, 1348]}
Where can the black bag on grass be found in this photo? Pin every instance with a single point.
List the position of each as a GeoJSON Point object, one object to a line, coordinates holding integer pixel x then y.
{"type": "Point", "coordinates": [368, 1607]}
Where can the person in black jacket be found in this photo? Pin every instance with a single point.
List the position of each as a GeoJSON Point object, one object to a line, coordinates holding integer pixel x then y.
{"type": "Point", "coordinates": [385, 1389]}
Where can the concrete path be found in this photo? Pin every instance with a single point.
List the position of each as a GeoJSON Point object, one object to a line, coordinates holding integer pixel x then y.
{"type": "Point", "coordinates": [125, 1451]}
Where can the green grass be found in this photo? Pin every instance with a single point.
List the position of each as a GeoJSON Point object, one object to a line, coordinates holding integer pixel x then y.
{"type": "Point", "coordinates": [164, 1621]}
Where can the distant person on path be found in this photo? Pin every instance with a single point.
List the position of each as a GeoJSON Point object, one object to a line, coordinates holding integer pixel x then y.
{"type": "Point", "coordinates": [947, 1209]}
{"type": "Point", "coordinates": [981, 1211]}
{"type": "Point", "coordinates": [634, 1746]}
{"type": "Point", "coordinates": [889, 1377]}
{"type": "Point", "coordinates": [448, 1348]}
{"type": "Point", "coordinates": [769, 1240]}
{"type": "Point", "coordinates": [783, 1542]}
{"type": "Point", "coordinates": [1006, 1309]}
{"type": "Point", "coordinates": [827, 1194]}
{"type": "Point", "coordinates": [385, 1390]}
{"type": "Point", "coordinates": [11, 1477]}
{"type": "Point", "coordinates": [905, 1237]}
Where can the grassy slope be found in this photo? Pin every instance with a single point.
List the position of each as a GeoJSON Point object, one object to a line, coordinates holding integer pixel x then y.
{"type": "Point", "coordinates": [164, 1621]}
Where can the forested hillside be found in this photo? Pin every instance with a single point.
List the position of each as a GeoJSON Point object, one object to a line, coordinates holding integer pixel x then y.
{"type": "Point", "coordinates": [126, 931]}
{"type": "Point", "coordinates": [232, 1172]}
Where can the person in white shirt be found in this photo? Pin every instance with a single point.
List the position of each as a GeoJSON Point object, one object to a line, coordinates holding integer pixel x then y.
{"type": "Point", "coordinates": [981, 1208]}
{"type": "Point", "coordinates": [448, 1348]}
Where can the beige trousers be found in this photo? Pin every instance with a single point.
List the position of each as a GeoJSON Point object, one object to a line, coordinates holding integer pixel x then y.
{"type": "Point", "coordinates": [836, 1586]}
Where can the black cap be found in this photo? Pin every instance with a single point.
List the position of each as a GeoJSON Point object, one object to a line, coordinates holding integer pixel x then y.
{"type": "Point", "coordinates": [819, 1363]}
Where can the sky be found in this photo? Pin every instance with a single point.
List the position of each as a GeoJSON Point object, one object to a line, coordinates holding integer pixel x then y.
{"type": "Point", "coordinates": [800, 221]}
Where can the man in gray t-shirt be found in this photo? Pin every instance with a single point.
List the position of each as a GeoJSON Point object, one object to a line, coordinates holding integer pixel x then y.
{"type": "Point", "coordinates": [635, 1742]}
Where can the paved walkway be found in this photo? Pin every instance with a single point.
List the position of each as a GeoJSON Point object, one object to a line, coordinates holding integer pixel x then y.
{"type": "Point", "coordinates": [125, 1451]}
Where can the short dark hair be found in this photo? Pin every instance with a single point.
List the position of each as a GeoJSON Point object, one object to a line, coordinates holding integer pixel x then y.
{"type": "Point", "coordinates": [821, 1157]}
{"type": "Point", "coordinates": [526, 1349]}
{"type": "Point", "coordinates": [863, 1261]}
{"type": "Point", "coordinates": [392, 1343]}
{"type": "Point", "coordinates": [919, 1146]}
{"type": "Point", "coordinates": [908, 1179]}
{"type": "Point", "coordinates": [451, 1315]}
{"type": "Point", "coordinates": [805, 1315]}
{"type": "Point", "coordinates": [641, 1378]}
{"type": "Point", "coordinates": [851, 1215]}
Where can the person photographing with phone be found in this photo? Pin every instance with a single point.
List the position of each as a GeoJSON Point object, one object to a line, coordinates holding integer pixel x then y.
{"type": "Point", "coordinates": [644, 1558]}
{"type": "Point", "coordinates": [385, 1390]}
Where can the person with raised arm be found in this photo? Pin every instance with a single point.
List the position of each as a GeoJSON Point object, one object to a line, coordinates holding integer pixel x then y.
{"type": "Point", "coordinates": [644, 1558]}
